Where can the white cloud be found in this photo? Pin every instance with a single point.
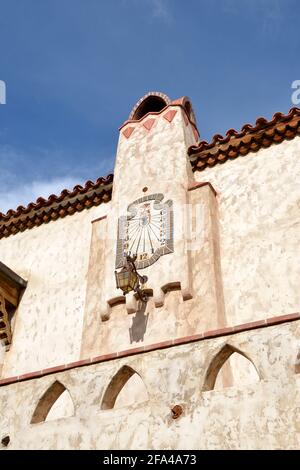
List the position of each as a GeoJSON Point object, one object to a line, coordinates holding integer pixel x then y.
{"type": "Point", "coordinates": [18, 189]}
{"type": "Point", "coordinates": [161, 10]}
{"type": "Point", "coordinates": [16, 196]}
{"type": "Point", "coordinates": [267, 13]}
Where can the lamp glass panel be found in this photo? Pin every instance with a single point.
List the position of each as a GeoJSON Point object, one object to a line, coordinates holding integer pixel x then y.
{"type": "Point", "coordinates": [126, 281]}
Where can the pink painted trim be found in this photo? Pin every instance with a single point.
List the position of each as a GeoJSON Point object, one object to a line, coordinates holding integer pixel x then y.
{"type": "Point", "coordinates": [169, 116]}
{"type": "Point", "coordinates": [282, 318]}
{"type": "Point", "coordinates": [152, 347]}
{"type": "Point", "coordinates": [220, 332]}
{"type": "Point", "coordinates": [157, 113]}
{"type": "Point", "coordinates": [148, 124]}
{"type": "Point", "coordinates": [197, 185]}
{"type": "Point", "coordinates": [128, 131]}
{"type": "Point", "coordinates": [99, 218]}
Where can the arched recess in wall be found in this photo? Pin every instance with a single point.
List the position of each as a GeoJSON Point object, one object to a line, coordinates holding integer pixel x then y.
{"type": "Point", "coordinates": [229, 368]}
{"type": "Point", "coordinates": [126, 388]}
{"type": "Point", "coordinates": [56, 403]}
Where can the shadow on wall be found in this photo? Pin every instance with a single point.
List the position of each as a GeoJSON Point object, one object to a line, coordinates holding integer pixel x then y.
{"type": "Point", "coordinates": [230, 367]}
{"type": "Point", "coordinates": [139, 324]}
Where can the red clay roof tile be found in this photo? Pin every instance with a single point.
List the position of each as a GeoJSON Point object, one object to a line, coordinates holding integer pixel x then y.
{"type": "Point", "coordinates": [203, 155]}
{"type": "Point", "coordinates": [67, 203]}
{"type": "Point", "coordinates": [249, 139]}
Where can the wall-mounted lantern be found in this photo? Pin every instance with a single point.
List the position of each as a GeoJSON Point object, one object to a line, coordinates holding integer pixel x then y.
{"type": "Point", "coordinates": [128, 279]}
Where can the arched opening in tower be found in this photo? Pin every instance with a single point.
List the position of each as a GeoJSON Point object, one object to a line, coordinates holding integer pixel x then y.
{"type": "Point", "coordinates": [151, 104]}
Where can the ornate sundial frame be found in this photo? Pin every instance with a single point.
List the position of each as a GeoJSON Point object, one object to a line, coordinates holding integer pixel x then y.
{"type": "Point", "coordinates": [167, 223]}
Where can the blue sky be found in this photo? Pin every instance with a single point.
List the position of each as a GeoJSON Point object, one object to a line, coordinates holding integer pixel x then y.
{"type": "Point", "coordinates": [75, 68]}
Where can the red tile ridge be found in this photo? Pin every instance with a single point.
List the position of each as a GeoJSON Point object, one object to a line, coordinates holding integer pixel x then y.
{"type": "Point", "coordinates": [65, 194]}
{"type": "Point", "coordinates": [67, 203]}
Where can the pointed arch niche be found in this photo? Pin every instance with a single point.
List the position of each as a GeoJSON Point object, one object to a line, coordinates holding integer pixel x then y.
{"type": "Point", "coordinates": [56, 403]}
{"type": "Point", "coordinates": [230, 368]}
{"type": "Point", "coordinates": [126, 388]}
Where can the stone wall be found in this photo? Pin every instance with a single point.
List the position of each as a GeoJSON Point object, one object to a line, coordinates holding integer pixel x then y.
{"type": "Point", "coordinates": [253, 414]}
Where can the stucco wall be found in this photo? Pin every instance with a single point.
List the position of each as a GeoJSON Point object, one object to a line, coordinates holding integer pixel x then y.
{"type": "Point", "coordinates": [259, 219]}
{"type": "Point", "coordinates": [53, 258]}
{"type": "Point", "coordinates": [260, 415]}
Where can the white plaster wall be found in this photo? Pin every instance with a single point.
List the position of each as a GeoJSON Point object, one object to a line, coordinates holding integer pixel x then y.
{"type": "Point", "coordinates": [259, 210]}
{"type": "Point", "coordinates": [261, 415]}
{"type": "Point", "coordinates": [53, 258]}
{"type": "Point", "coordinates": [62, 408]}
{"type": "Point", "coordinates": [133, 392]}
{"type": "Point", "coordinates": [241, 371]}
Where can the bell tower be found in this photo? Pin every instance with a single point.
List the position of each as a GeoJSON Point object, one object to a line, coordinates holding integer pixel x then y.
{"type": "Point", "coordinates": [168, 222]}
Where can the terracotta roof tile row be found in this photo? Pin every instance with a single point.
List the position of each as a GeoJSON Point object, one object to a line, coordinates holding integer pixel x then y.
{"type": "Point", "coordinates": [249, 139]}
{"type": "Point", "coordinates": [55, 207]}
{"type": "Point", "coordinates": [203, 155]}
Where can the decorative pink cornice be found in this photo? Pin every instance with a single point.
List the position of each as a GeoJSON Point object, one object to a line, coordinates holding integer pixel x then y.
{"type": "Point", "coordinates": [176, 103]}
{"type": "Point", "coordinates": [149, 123]}
{"type": "Point", "coordinates": [128, 131]}
{"type": "Point", "coordinates": [169, 116]}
